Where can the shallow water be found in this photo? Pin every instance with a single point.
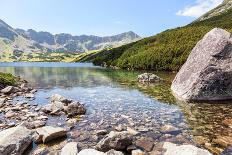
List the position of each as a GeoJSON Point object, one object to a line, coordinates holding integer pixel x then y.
{"type": "Point", "coordinates": [114, 98]}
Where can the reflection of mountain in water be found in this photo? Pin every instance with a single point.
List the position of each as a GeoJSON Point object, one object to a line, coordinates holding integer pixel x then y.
{"type": "Point", "coordinates": [42, 77]}
{"type": "Point", "coordinates": [211, 124]}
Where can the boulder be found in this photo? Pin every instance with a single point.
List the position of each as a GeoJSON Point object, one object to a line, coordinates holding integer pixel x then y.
{"type": "Point", "coordinates": [70, 149]}
{"type": "Point", "coordinates": [74, 109]}
{"type": "Point", "coordinates": [207, 73]}
{"type": "Point", "coordinates": [15, 140]}
{"type": "Point", "coordinates": [49, 133]}
{"type": "Point", "coordinates": [173, 149]}
{"type": "Point", "coordinates": [90, 152]}
{"type": "Point", "coordinates": [149, 77]}
{"type": "Point", "coordinates": [115, 140]}
{"type": "Point", "coordinates": [8, 90]}
{"type": "Point", "coordinates": [59, 105]}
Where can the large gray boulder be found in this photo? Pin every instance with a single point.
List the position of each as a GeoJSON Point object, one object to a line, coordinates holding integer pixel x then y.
{"type": "Point", "coordinates": [207, 73]}
{"type": "Point", "coordinates": [15, 140]}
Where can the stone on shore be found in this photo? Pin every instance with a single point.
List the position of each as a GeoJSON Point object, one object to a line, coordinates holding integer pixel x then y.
{"type": "Point", "coordinates": [90, 152]}
{"type": "Point", "coordinates": [207, 73]}
{"type": "Point", "coordinates": [115, 140]}
{"type": "Point", "coordinates": [70, 149]}
{"type": "Point", "coordinates": [113, 152]}
{"type": "Point", "coordinates": [49, 133]}
{"type": "Point", "coordinates": [173, 149]}
{"type": "Point", "coordinates": [148, 77]}
{"type": "Point", "coordinates": [8, 90]}
{"type": "Point", "coordinates": [15, 140]}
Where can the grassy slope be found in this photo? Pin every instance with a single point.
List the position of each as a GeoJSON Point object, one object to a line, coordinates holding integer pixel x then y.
{"type": "Point", "coordinates": [7, 79]}
{"type": "Point", "coordinates": [165, 51]}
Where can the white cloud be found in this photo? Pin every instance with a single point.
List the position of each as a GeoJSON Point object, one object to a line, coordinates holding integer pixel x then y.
{"type": "Point", "coordinates": [200, 8]}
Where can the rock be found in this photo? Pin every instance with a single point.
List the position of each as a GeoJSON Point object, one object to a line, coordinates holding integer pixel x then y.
{"type": "Point", "coordinates": [59, 105]}
{"type": "Point", "coordinates": [2, 101]}
{"type": "Point", "coordinates": [132, 131]}
{"type": "Point", "coordinates": [113, 152]}
{"type": "Point", "coordinates": [69, 149]}
{"type": "Point", "coordinates": [149, 77]}
{"type": "Point", "coordinates": [59, 98]}
{"type": "Point", "coordinates": [169, 129]}
{"type": "Point", "coordinates": [8, 90]}
{"type": "Point", "coordinates": [37, 124]}
{"type": "Point", "coordinates": [145, 144]}
{"type": "Point", "coordinates": [138, 152]}
{"type": "Point", "coordinates": [101, 132]}
{"type": "Point", "coordinates": [30, 95]}
{"type": "Point", "coordinates": [40, 151]}
{"type": "Point", "coordinates": [224, 141]}
{"type": "Point", "coordinates": [173, 149]}
{"type": "Point", "coordinates": [227, 151]}
{"type": "Point", "coordinates": [74, 109]}
{"type": "Point", "coordinates": [9, 114]}
{"type": "Point", "coordinates": [115, 140]}
{"type": "Point", "coordinates": [42, 118]}
{"type": "Point", "coordinates": [90, 152]}
{"type": "Point", "coordinates": [207, 73]}
{"type": "Point", "coordinates": [15, 140]}
{"type": "Point", "coordinates": [49, 133]}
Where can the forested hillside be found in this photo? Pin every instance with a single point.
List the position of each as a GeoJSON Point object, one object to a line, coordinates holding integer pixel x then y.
{"type": "Point", "coordinates": [165, 51]}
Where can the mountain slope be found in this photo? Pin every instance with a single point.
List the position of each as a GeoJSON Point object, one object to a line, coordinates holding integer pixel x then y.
{"type": "Point", "coordinates": [21, 45]}
{"type": "Point", "coordinates": [165, 51]}
{"type": "Point", "coordinates": [67, 43]}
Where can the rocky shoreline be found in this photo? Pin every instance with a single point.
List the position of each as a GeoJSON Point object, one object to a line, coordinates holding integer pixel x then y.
{"type": "Point", "coordinates": [23, 124]}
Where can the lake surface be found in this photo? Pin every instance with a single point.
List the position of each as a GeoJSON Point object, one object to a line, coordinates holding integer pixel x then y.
{"type": "Point", "coordinates": [114, 99]}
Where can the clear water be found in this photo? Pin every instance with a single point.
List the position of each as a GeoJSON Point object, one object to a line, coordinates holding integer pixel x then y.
{"type": "Point", "coordinates": [114, 98]}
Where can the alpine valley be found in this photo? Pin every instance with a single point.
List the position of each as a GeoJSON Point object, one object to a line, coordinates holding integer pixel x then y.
{"type": "Point", "coordinates": [21, 45]}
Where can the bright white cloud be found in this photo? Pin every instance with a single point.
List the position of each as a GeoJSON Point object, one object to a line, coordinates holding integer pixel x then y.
{"type": "Point", "coordinates": [200, 8]}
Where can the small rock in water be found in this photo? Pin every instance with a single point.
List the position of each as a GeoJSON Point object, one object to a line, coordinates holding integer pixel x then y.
{"type": "Point", "coordinates": [69, 149]}
{"type": "Point", "coordinates": [49, 133]}
{"type": "Point", "coordinates": [113, 152]}
{"type": "Point", "coordinates": [149, 77]}
{"type": "Point", "coordinates": [169, 129]}
{"type": "Point", "coordinates": [145, 144]}
{"type": "Point", "coordinates": [173, 149]}
{"type": "Point", "coordinates": [138, 152]}
{"type": "Point", "coordinates": [115, 140]}
{"type": "Point", "coordinates": [90, 152]}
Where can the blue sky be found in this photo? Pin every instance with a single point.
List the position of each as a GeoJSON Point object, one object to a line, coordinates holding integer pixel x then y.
{"type": "Point", "coordinates": [102, 17]}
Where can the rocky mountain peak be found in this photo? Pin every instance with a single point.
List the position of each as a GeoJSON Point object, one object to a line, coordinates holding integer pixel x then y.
{"type": "Point", "coordinates": [222, 8]}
